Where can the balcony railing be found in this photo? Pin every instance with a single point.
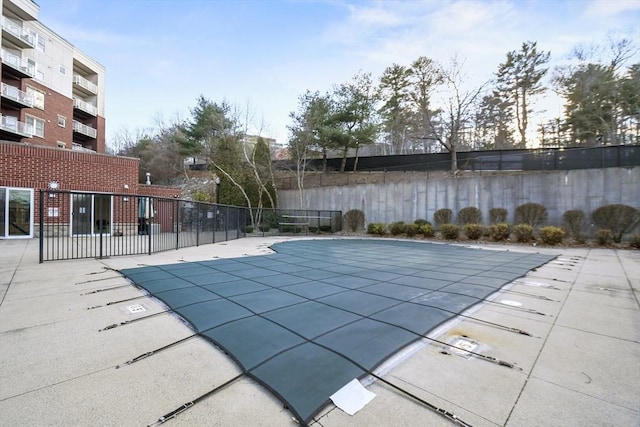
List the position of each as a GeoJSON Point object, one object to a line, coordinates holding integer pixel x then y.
{"type": "Point", "coordinates": [84, 129]}
{"type": "Point", "coordinates": [12, 125]}
{"type": "Point", "coordinates": [16, 62]}
{"type": "Point", "coordinates": [17, 95]}
{"type": "Point", "coordinates": [78, 147]}
{"type": "Point", "coordinates": [85, 106]}
{"type": "Point", "coordinates": [85, 84]}
{"type": "Point", "coordinates": [22, 36]}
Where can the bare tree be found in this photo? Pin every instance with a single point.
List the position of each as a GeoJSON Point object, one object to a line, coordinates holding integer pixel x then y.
{"type": "Point", "coordinates": [448, 126]}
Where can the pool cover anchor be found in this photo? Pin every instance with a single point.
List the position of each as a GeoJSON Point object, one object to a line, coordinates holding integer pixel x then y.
{"type": "Point", "coordinates": [166, 417]}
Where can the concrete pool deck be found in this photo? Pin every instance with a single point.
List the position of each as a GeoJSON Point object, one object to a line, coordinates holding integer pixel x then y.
{"type": "Point", "coordinates": [580, 367]}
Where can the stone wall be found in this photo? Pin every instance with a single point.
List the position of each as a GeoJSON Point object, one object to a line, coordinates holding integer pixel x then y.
{"type": "Point", "coordinates": [408, 196]}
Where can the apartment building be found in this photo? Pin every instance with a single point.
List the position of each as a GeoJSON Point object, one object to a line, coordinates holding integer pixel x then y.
{"type": "Point", "coordinates": [52, 93]}
{"type": "Point", "coordinates": [52, 135]}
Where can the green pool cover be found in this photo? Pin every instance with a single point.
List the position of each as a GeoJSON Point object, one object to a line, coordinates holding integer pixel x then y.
{"type": "Point", "coordinates": [318, 313]}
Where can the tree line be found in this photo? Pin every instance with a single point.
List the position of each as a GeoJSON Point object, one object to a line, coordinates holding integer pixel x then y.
{"type": "Point", "coordinates": [421, 107]}
{"type": "Point", "coordinates": [426, 107]}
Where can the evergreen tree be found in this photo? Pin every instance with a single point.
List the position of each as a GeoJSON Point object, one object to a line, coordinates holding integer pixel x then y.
{"type": "Point", "coordinates": [519, 78]}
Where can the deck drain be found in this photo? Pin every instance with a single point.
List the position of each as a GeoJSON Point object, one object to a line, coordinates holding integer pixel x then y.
{"type": "Point", "coordinates": [136, 308]}
{"type": "Point", "coordinates": [511, 303]}
{"type": "Point", "coordinates": [462, 347]}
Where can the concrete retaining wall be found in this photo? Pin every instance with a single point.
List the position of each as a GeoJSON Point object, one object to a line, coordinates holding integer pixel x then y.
{"type": "Point", "coordinates": [411, 199]}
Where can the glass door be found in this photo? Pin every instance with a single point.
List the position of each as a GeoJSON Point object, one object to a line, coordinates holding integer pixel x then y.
{"type": "Point", "coordinates": [16, 216]}
{"type": "Point", "coordinates": [91, 214]}
{"type": "Point", "coordinates": [80, 214]}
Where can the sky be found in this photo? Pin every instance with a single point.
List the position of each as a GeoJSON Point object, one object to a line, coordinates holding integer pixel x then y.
{"type": "Point", "coordinates": [261, 55]}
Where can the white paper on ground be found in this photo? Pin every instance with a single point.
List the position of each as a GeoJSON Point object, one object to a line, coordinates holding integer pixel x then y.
{"type": "Point", "coordinates": [352, 397]}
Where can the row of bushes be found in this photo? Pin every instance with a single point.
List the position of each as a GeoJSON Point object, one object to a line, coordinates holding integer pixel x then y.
{"type": "Point", "coordinates": [522, 233]}
{"type": "Point", "coordinates": [497, 232]}
{"type": "Point", "coordinates": [612, 221]}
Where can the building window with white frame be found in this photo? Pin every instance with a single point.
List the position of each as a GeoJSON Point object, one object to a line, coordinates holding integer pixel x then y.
{"type": "Point", "coordinates": [62, 121]}
{"type": "Point", "coordinates": [63, 70]}
{"type": "Point", "coordinates": [38, 97]}
{"type": "Point", "coordinates": [37, 125]}
{"type": "Point", "coordinates": [41, 42]}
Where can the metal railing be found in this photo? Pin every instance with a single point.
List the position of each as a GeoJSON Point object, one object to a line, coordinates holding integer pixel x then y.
{"type": "Point", "coordinates": [17, 95]}
{"type": "Point", "coordinates": [85, 84]}
{"type": "Point", "coordinates": [76, 225]}
{"type": "Point", "coordinates": [84, 129]}
{"type": "Point", "coordinates": [27, 36]}
{"type": "Point", "coordinates": [11, 124]}
{"type": "Point", "coordinates": [18, 63]}
{"type": "Point", "coordinates": [85, 106]}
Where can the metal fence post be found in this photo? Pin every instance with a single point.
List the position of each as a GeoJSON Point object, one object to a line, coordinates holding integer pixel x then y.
{"type": "Point", "coordinates": [41, 213]}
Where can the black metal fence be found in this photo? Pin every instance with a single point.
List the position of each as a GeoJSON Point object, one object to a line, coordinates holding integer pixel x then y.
{"type": "Point", "coordinates": [75, 225]}
{"type": "Point", "coordinates": [495, 160]}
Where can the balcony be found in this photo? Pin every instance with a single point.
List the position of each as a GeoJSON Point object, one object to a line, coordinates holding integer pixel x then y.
{"type": "Point", "coordinates": [78, 147]}
{"type": "Point", "coordinates": [17, 66]}
{"type": "Point", "coordinates": [84, 85]}
{"type": "Point", "coordinates": [13, 32]}
{"type": "Point", "coordinates": [17, 97]}
{"type": "Point", "coordinates": [85, 130]}
{"type": "Point", "coordinates": [84, 106]}
{"type": "Point", "coordinates": [12, 126]}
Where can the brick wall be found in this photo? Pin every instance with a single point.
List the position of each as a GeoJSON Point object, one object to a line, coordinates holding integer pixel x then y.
{"type": "Point", "coordinates": [54, 104]}
{"type": "Point", "coordinates": [34, 167]}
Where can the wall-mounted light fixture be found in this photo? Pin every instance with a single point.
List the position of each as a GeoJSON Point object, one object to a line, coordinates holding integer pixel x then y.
{"type": "Point", "coordinates": [53, 185]}
{"type": "Point", "coordinates": [148, 175]}
{"type": "Point", "coordinates": [126, 187]}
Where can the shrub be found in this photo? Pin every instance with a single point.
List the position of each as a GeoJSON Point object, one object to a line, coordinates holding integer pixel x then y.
{"type": "Point", "coordinates": [411, 229]}
{"type": "Point", "coordinates": [248, 229]}
{"type": "Point", "coordinates": [498, 215]}
{"type": "Point", "coordinates": [264, 227]}
{"type": "Point", "coordinates": [619, 219]}
{"type": "Point", "coordinates": [533, 214]}
{"type": "Point", "coordinates": [470, 215]}
{"type": "Point", "coordinates": [604, 236]}
{"type": "Point", "coordinates": [499, 231]}
{"type": "Point", "coordinates": [377, 228]}
{"type": "Point", "coordinates": [420, 222]}
{"type": "Point", "coordinates": [396, 228]}
{"type": "Point", "coordinates": [354, 220]}
{"type": "Point", "coordinates": [574, 224]}
{"type": "Point", "coordinates": [551, 235]}
{"type": "Point", "coordinates": [449, 231]}
{"type": "Point", "coordinates": [271, 219]}
{"type": "Point", "coordinates": [443, 216]}
{"type": "Point", "coordinates": [313, 229]}
{"type": "Point", "coordinates": [473, 231]}
{"type": "Point", "coordinates": [523, 232]}
{"type": "Point", "coordinates": [325, 228]}
{"type": "Point", "coordinates": [426, 230]}
{"type": "Point", "coordinates": [634, 242]}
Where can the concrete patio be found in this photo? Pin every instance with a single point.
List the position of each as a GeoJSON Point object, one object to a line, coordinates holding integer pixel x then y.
{"type": "Point", "coordinates": [58, 365]}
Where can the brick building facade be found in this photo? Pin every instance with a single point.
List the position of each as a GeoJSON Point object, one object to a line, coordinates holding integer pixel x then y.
{"type": "Point", "coordinates": [27, 169]}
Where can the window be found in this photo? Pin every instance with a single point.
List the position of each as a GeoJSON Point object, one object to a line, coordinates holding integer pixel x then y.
{"type": "Point", "coordinates": [38, 97]}
{"type": "Point", "coordinates": [63, 70]}
{"type": "Point", "coordinates": [41, 42]}
{"type": "Point", "coordinates": [39, 74]}
{"type": "Point", "coordinates": [37, 125]}
{"type": "Point", "coordinates": [62, 121]}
